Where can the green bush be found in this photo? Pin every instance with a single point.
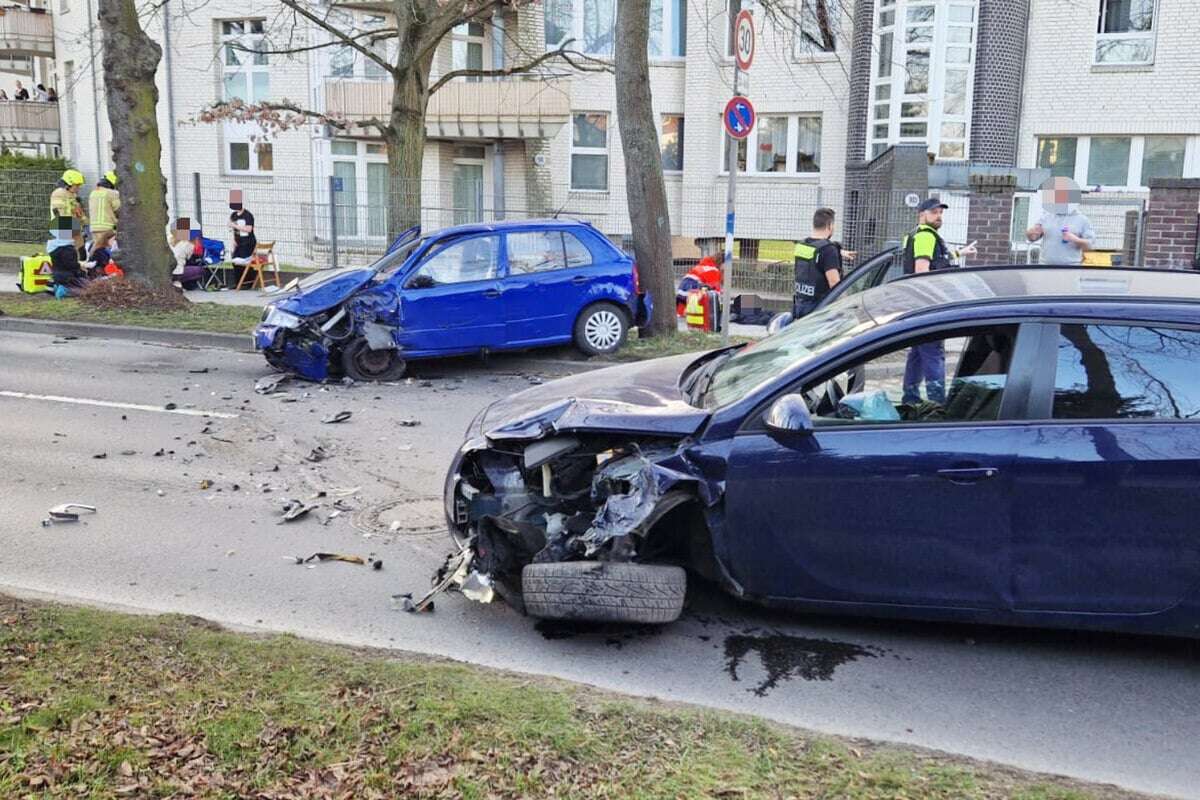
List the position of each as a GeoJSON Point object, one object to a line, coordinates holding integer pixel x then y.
{"type": "Point", "coordinates": [25, 186]}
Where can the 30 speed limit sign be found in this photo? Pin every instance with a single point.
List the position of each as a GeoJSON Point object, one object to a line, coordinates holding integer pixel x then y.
{"type": "Point", "coordinates": [743, 40]}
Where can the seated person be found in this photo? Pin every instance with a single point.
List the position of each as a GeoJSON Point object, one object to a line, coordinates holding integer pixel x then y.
{"type": "Point", "coordinates": [69, 275]}
{"type": "Point", "coordinates": [101, 253]}
{"type": "Point", "coordinates": [241, 222]}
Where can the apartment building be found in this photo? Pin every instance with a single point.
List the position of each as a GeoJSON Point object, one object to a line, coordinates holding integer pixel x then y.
{"type": "Point", "coordinates": [27, 56]}
{"type": "Point", "coordinates": [530, 144]}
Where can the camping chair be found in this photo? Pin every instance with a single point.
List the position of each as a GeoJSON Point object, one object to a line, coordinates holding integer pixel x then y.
{"type": "Point", "coordinates": [264, 255]}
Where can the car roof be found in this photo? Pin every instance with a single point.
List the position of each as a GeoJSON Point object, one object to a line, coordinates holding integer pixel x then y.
{"type": "Point", "coordinates": [917, 294]}
{"type": "Point", "coordinates": [501, 226]}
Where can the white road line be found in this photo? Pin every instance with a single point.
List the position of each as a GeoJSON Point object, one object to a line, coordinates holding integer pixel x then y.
{"type": "Point", "coordinates": [83, 401]}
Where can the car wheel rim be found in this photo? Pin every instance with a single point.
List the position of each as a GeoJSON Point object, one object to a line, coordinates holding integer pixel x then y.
{"type": "Point", "coordinates": [603, 330]}
{"type": "Point", "coordinates": [375, 362]}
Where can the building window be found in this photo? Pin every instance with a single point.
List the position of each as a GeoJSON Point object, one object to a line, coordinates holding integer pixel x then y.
{"type": "Point", "coordinates": [672, 143]}
{"type": "Point", "coordinates": [589, 152]}
{"type": "Point", "coordinates": [1162, 157]}
{"type": "Point", "coordinates": [781, 145]}
{"type": "Point", "coordinates": [251, 157]}
{"type": "Point", "coordinates": [819, 26]}
{"type": "Point", "coordinates": [246, 74]}
{"type": "Point", "coordinates": [923, 75]}
{"type": "Point", "coordinates": [592, 26]}
{"type": "Point", "coordinates": [1108, 161]}
{"type": "Point", "coordinates": [468, 48]}
{"type": "Point", "coordinates": [1058, 156]}
{"type": "Point", "coordinates": [1125, 32]}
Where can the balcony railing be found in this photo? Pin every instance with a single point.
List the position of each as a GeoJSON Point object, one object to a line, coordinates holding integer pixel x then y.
{"type": "Point", "coordinates": [26, 32]}
{"type": "Point", "coordinates": [509, 109]}
{"type": "Point", "coordinates": [23, 122]}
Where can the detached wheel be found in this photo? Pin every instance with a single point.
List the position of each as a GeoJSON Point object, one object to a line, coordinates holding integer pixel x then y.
{"type": "Point", "coordinates": [364, 364]}
{"type": "Point", "coordinates": [601, 591]}
{"type": "Point", "coordinates": [601, 329]}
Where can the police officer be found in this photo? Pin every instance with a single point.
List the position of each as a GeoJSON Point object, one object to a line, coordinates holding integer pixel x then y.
{"type": "Point", "coordinates": [925, 251]}
{"type": "Point", "coordinates": [818, 264]}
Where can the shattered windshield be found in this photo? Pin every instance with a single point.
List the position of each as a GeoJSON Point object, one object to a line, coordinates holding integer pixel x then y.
{"type": "Point", "coordinates": [805, 338]}
{"type": "Point", "coordinates": [395, 259]}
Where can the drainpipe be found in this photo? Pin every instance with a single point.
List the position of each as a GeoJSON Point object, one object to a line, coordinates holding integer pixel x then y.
{"type": "Point", "coordinates": [166, 9]}
{"type": "Point", "coordinates": [498, 145]}
{"type": "Point", "coordinates": [95, 89]}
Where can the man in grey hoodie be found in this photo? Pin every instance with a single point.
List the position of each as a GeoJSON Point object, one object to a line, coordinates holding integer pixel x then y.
{"type": "Point", "coordinates": [1065, 233]}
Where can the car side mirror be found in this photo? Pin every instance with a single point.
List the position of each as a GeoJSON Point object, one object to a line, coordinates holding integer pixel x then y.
{"type": "Point", "coordinates": [779, 322]}
{"type": "Point", "coordinates": [789, 415]}
{"type": "Point", "coordinates": [421, 282]}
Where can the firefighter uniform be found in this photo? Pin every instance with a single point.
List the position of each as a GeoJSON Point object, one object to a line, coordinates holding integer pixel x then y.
{"type": "Point", "coordinates": [814, 257]}
{"type": "Point", "coordinates": [103, 204]}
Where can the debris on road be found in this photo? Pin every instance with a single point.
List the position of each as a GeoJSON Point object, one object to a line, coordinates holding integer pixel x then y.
{"type": "Point", "coordinates": [205, 484]}
{"type": "Point", "coordinates": [271, 383]}
{"type": "Point", "coordinates": [200, 371]}
{"type": "Point", "coordinates": [409, 423]}
{"type": "Point", "coordinates": [294, 510]}
{"type": "Point", "coordinates": [67, 512]}
{"type": "Point", "coordinates": [161, 493]}
{"type": "Point", "coordinates": [170, 406]}
{"type": "Point", "coordinates": [100, 455]}
{"type": "Point", "coordinates": [375, 563]}
{"type": "Point", "coordinates": [318, 454]}
{"type": "Point", "coordinates": [454, 571]}
{"type": "Point", "coordinates": [340, 416]}
{"type": "Point", "coordinates": [129, 452]}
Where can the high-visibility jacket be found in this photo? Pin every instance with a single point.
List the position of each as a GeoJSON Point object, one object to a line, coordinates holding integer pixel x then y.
{"type": "Point", "coordinates": [65, 204]}
{"type": "Point", "coordinates": [924, 242]}
{"type": "Point", "coordinates": [102, 208]}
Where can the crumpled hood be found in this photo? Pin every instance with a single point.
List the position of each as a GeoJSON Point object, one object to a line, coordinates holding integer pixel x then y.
{"type": "Point", "coordinates": [325, 289]}
{"type": "Point", "coordinates": [642, 398]}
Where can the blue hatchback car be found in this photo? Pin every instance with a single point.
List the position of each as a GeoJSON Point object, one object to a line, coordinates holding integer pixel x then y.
{"type": "Point", "coordinates": [1006, 445]}
{"type": "Point", "coordinates": [468, 289]}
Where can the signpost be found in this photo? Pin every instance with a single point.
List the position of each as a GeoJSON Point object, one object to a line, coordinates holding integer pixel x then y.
{"type": "Point", "coordinates": [739, 121]}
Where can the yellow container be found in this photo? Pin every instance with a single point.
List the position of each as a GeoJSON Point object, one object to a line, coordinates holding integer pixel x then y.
{"type": "Point", "coordinates": [35, 274]}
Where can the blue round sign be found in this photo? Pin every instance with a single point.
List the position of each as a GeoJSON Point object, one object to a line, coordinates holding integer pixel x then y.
{"type": "Point", "coordinates": [739, 117]}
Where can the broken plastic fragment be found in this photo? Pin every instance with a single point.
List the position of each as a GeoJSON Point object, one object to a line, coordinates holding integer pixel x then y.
{"type": "Point", "coordinates": [453, 572]}
{"type": "Point", "coordinates": [478, 588]}
{"type": "Point", "coordinates": [271, 383]}
{"type": "Point", "coordinates": [340, 416]}
{"type": "Point", "coordinates": [331, 557]}
{"type": "Point", "coordinates": [318, 454]}
{"type": "Point", "coordinates": [67, 512]}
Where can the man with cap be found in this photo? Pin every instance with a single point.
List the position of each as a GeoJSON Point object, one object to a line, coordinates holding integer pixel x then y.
{"type": "Point", "coordinates": [925, 251]}
{"type": "Point", "coordinates": [103, 203]}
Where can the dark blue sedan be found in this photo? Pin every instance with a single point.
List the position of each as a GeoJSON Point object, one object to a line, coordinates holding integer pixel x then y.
{"type": "Point", "coordinates": [468, 289]}
{"type": "Point", "coordinates": [1009, 445]}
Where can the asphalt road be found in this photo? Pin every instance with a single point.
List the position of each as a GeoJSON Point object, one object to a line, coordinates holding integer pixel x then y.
{"type": "Point", "coordinates": [1121, 710]}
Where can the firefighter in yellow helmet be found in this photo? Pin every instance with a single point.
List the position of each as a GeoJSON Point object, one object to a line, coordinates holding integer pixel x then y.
{"type": "Point", "coordinates": [64, 201]}
{"type": "Point", "coordinates": [103, 204]}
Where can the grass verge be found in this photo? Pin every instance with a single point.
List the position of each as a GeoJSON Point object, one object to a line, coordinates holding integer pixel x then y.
{"type": "Point", "coordinates": [101, 705]}
{"type": "Point", "coordinates": [638, 349]}
{"type": "Point", "coordinates": [209, 317]}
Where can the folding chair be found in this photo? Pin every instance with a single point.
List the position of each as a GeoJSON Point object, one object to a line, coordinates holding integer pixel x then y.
{"type": "Point", "coordinates": [264, 255]}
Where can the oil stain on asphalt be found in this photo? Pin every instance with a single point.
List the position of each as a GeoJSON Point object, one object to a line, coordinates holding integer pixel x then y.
{"type": "Point", "coordinates": [786, 657]}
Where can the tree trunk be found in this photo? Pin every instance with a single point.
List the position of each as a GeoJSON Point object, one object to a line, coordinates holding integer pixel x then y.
{"type": "Point", "coordinates": [405, 141]}
{"type": "Point", "coordinates": [645, 190]}
{"type": "Point", "coordinates": [130, 62]}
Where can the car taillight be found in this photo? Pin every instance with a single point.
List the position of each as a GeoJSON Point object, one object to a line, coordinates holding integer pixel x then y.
{"type": "Point", "coordinates": [637, 280]}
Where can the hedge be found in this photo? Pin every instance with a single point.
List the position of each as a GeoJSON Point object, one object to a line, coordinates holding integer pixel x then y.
{"type": "Point", "coordinates": [25, 186]}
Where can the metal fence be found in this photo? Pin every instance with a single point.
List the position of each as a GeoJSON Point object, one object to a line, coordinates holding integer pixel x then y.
{"type": "Point", "coordinates": [343, 220]}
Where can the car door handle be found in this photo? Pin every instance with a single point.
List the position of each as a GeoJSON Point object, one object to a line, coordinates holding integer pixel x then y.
{"type": "Point", "coordinates": [579, 280]}
{"type": "Point", "coordinates": [492, 293]}
{"type": "Point", "coordinates": [968, 475]}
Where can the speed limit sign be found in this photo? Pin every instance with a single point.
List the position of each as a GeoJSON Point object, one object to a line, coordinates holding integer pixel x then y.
{"type": "Point", "coordinates": [743, 40]}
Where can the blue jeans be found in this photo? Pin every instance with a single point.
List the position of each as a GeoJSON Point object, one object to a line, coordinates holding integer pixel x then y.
{"type": "Point", "coordinates": [926, 362]}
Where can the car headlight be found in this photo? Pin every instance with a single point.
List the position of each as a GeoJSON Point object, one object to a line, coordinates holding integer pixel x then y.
{"type": "Point", "coordinates": [280, 318]}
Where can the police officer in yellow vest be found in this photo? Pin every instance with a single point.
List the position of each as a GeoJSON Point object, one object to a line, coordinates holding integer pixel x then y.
{"type": "Point", "coordinates": [818, 264]}
{"type": "Point", "coordinates": [103, 203]}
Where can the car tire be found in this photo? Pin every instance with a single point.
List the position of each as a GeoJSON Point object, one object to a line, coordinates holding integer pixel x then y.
{"type": "Point", "coordinates": [364, 364]}
{"type": "Point", "coordinates": [601, 329]}
{"type": "Point", "coordinates": [604, 591]}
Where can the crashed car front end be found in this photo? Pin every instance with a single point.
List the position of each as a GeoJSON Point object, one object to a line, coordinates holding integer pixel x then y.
{"type": "Point", "coordinates": [561, 485]}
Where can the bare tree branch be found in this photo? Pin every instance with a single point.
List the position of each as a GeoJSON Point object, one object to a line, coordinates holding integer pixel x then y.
{"type": "Point", "coordinates": [373, 35]}
{"type": "Point", "coordinates": [584, 64]}
{"type": "Point", "coordinates": [284, 115]}
{"type": "Point", "coordinates": [338, 34]}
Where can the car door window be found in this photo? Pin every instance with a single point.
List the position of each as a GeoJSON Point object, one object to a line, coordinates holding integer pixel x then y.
{"type": "Point", "coordinates": [462, 261]}
{"type": "Point", "coordinates": [578, 254]}
{"type": "Point", "coordinates": [1127, 372]}
{"type": "Point", "coordinates": [948, 378]}
{"type": "Point", "coordinates": [535, 251]}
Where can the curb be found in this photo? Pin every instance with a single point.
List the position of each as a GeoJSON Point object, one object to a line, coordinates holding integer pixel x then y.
{"type": "Point", "coordinates": [239, 342]}
{"type": "Point", "coordinates": [167, 336]}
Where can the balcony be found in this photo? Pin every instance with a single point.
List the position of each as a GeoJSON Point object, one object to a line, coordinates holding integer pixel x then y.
{"type": "Point", "coordinates": [26, 123]}
{"type": "Point", "coordinates": [26, 33]}
{"type": "Point", "coordinates": [511, 109]}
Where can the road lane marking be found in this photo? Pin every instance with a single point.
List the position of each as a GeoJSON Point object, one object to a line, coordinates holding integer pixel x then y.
{"type": "Point", "coordinates": [83, 401]}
